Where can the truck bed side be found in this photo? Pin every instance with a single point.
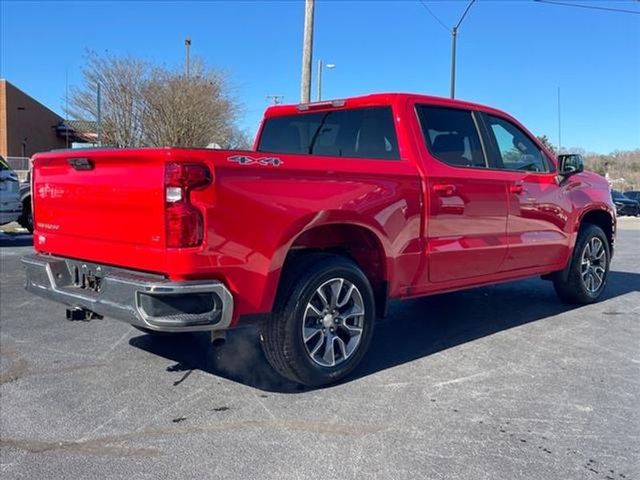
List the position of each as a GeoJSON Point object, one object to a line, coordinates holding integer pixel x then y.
{"type": "Point", "coordinates": [255, 212]}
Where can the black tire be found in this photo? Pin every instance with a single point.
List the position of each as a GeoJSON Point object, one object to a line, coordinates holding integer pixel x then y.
{"type": "Point", "coordinates": [282, 334]}
{"type": "Point", "coordinates": [26, 219]}
{"type": "Point", "coordinates": [574, 289]}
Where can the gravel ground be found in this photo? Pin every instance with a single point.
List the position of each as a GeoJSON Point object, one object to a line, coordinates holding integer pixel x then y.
{"type": "Point", "coordinates": [496, 382]}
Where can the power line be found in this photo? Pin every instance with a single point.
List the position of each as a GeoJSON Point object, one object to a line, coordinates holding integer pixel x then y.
{"type": "Point", "coordinates": [591, 7]}
{"type": "Point", "coordinates": [464, 14]}
{"type": "Point", "coordinates": [423, 3]}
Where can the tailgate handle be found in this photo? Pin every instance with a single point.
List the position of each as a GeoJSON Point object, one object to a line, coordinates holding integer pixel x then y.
{"type": "Point", "coordinates": [80, 163]}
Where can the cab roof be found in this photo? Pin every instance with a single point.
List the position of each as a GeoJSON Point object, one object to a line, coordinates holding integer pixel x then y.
{"type": "Point", "coordinates": [376, 99]}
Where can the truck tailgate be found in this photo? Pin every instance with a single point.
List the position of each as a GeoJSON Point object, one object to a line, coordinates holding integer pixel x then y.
{"type": "Point", "coordinates": [102, 206]}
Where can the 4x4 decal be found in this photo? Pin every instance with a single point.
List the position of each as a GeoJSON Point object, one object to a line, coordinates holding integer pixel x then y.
{"type": "Point", "coordinates": [265, 161]}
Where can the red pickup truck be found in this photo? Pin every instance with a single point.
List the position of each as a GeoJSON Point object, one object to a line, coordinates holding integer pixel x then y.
{"type": "Point", "coordinates": [341, 206]}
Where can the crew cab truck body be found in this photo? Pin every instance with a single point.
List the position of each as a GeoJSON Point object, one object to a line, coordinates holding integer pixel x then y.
{"type": "Point", "coordinates": [340, 206]}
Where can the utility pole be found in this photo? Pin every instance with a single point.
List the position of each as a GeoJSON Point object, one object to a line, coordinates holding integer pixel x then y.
{"type": "Point", "coordinates": [99, 119]}
{"type": "Point", "coordinates": [454, 36]}
{"type": "Point", "coordinates": [559, 127]}
{"type": "Point", "coordinates": [307, 52]}
{"type": "Point", "coordinates": [319, 80]}
{"type": "Point", "coordinates": [277, 99]}
{"type": "Point", "coordinates": [66, 100]}
{"type": "Point", "coordinates": [187, 63]}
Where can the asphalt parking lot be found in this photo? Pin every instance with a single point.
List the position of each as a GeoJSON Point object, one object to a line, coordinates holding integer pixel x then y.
{"type": "Point", "coordinates": [497, 382]}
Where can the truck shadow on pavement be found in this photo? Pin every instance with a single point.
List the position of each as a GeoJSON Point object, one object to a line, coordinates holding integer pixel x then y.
{"type": "Point", "coordinates": [413, 329]}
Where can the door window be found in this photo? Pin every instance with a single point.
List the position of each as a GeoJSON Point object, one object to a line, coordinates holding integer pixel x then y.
{"type": "Point", "coordinates": [516, 150]}
{"type": "Point", "coordinates": [451, 136]}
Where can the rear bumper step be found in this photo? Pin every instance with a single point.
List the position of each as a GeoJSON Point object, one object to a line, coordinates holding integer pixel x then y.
{"type": "Point", "coordinates": [141, 299]}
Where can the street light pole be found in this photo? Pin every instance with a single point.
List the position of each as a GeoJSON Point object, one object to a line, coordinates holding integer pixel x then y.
{"type": "Point", "coordinates": [99, 115]}
{"type": "Point", "coordinates": [559, 125]}
{"type": "Point", "coordinates": [454, 36]}
{"type": "Point", "coordinates": [187, 48]}
{"type": "Point", "coordinates": [320, 67]}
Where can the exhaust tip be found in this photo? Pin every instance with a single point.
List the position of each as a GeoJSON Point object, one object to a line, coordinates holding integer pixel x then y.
{"type": "Point", "coordinates": [218, 338]}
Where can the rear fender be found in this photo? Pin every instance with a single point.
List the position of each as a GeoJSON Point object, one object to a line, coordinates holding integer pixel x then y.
{"type": "Point", "coordinates": [298, 230]}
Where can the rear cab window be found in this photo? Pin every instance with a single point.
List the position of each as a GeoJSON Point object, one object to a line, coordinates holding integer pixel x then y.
{"type": "Point", "coordinates": [353, 133]}
{"type": "Point", "coordinates": [451, 135]}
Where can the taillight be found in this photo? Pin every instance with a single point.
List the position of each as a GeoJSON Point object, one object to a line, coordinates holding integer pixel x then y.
{"type": "Point", "coordinates": [32, 182]}
{"type": "Point", "coordinates": [184, 222]}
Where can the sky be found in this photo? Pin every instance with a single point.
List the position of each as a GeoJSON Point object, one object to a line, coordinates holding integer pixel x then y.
{"type": "Point", "coordinates": [512, 54]}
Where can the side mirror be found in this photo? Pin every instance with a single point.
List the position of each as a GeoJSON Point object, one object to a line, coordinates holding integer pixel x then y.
{"type": "Point", "coordinates": [570, 164]}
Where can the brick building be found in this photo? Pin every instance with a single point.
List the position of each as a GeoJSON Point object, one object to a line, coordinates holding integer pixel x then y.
{"type": "Point", "coordinates": [26, 126]}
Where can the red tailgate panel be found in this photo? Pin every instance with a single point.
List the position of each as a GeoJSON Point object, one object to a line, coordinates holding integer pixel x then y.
{"type": "Point", "coordinates": [111, 212]}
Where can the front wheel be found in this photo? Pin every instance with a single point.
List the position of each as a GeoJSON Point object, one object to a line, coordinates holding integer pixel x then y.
{"type": "Point", "coordinates": [589, 269]}
{"type": "Point", "coordinates": [323, 322]}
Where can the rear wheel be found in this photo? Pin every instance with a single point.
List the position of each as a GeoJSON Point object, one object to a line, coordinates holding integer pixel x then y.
{"type": "Point", "coordinates": [323, 321]}
{"type": "Point", "coordinates": [587, 276]}
{"type": "Point", "coordinates": [26, 219]}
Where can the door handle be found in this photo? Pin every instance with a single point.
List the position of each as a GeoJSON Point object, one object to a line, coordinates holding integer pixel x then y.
{"type": "Point", "coordinates": [516, 188]}
{"type": "Point", "coordinates": [444, 189]}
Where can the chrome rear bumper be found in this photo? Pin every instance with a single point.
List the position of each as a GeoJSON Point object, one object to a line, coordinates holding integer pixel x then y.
{"type": "Point", "coordinates": [141, 299]}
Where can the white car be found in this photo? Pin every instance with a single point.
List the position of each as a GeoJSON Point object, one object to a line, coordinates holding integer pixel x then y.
{"type": "Point", "coordinates": [10, 204]}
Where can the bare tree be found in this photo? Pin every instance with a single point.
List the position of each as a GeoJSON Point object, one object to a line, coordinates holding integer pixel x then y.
{"type": "Point", "coordinates": [121, 81]}
{"type": "Point", "coordinates": [623, 166]}
{"type": "Point", "coordinates": [238, 140]}
{"type": "Point", "coordinates": [187, 111]}
{"type": "Point", "coordinates": [144, 105]}
{"type": "Point", "coordinates": [547, 143]}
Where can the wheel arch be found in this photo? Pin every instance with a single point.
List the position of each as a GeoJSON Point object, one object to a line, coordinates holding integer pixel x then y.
{"type": "Point", "coordinates": [602, 218]}
{"type": "Point", "coordinates": [355, 241]}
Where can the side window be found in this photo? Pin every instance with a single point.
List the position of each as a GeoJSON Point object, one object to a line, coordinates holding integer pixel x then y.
{"type": "Point", "coordinates": [517, 151]}
{"type": "Point", "coordinates": [354, 133]}
{"type": "Point", "coordinates": [451, 136]}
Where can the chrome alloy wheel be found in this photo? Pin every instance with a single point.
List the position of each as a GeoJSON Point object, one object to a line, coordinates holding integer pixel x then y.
{"type": "Point", "coordinates": [333, 322]}
{"type": "Point", "coordinates": [593, 265]}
